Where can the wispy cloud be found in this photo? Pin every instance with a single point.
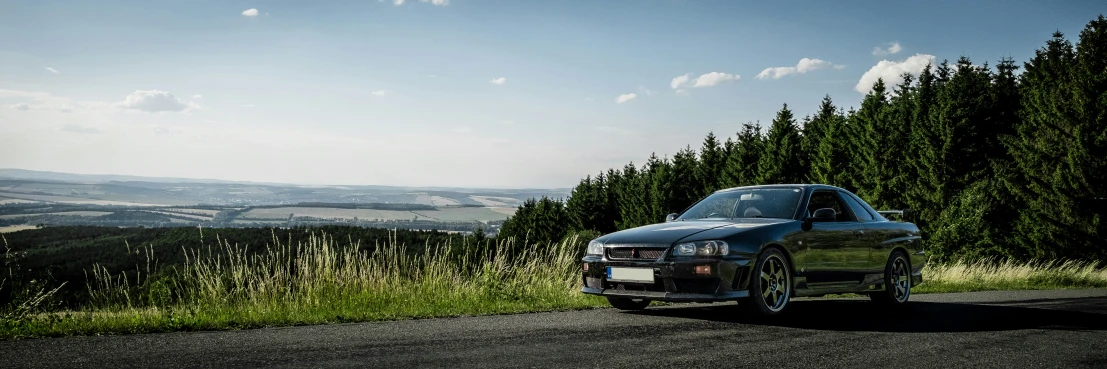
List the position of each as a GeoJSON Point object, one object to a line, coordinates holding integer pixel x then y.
{"type": "Point", "coordinates": [892, 71]}
{"type": "Point", "coordinates": [197, 96]}
{"type": "Point", "coordinates": [436, 2]}
{"type": "Point", "coordinates": [704, 80]}
{"type": "Point", "coordinates": [498, 81]}
{"type": "Point", "coordinates": [645, 91]}
{"type": "Point", "coordinates": [248, 106]}
{"type": "Point", "coordinates": [52, 70]}
{"type": "Point", "coordinates": [250, 12]}
{"type": "Point", "coordinates": [20, 106]}
{"type": "Point", "coordinates": [153, 101]}
{"type": "Point", "coordinates": [81, 129]}
{"type": "Point", "coordinates": [616, 130]}
{"type": "Point", "coordinates": [397, 2]}
{"type": "Point", "coordinates": [625, 97]}
{"type": "Point", "coordinates": [893, 48]}
{"type": "Point", "coordinates": [379, 93]}
{"type": "Point", "coordinates": [805, 65]}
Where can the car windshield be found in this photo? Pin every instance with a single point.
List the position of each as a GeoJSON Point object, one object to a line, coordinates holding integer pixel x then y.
{"type": "Point", "coordinates": [747, 203]}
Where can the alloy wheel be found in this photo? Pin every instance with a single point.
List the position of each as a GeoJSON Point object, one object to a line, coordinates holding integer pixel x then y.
{"type": "Point", "coordinates": [775, 288]}
{"type": "Point", "coordinates": [901, 280]}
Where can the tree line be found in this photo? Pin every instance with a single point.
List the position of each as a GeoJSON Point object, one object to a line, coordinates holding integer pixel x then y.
{"type": "Point", "coordinates": [1006, 162]}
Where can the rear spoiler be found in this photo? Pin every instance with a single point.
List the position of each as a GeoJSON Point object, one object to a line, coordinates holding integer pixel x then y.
{"type": "Point", "coordinates": [903, 214]}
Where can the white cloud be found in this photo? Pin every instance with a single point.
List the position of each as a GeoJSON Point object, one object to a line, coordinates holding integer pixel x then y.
{"type": "Point", "coordinates": [645, 90]}
{"type": "Point", "coordinates": [681, 92]}
{"type": "Point", "coordinates": [893, 47]}
{"type": "Point", "coordinates": [589, 99]}
{"type": "Point", "coordinates": [379, 92]}
{"type": "Point", "coordinates": [52, 70]}
{"type": "Point", "coordinates": [714, 78]}
{"type": "Point", "coordinates": [153, 101]}
{"type": "Point", "coordinates": [436, 2]}
{"type": "Point", "coordinates": [680, 81]}
{"type": "Point", "coordinates": [499, 81]}
{"type": "Point", "coordinates": [892, 72]}
{"type": "Point", "coordinates": [398, 2]}
{"type": "Point", "coordinates": [625, 97]}
{"type": "Point", "coordinates": [197, 96]}
{"type": "Point", "coordinates": [704, 80]}
{"type": "Point", "coordinates": [805, 65]}
{"type": "Point", "coordinates": [250, 12]}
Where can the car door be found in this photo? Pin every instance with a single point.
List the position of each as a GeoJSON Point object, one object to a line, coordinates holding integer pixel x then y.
{"type": "Point", "coordinates": [831, 253]}
{"type": "Point", "coordinates": [867, 238]}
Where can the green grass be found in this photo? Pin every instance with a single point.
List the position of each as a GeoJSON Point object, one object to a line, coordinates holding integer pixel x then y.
{"type": "Point", "coordinates": [326, 281]}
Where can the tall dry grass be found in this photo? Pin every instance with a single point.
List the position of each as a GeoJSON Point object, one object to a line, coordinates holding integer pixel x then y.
{"type": "Point", "coordinates": [323, 280]}
{"type": "Point", "coordinates": [979, 275]}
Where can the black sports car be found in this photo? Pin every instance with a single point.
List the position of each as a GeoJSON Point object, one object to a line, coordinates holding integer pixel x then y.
{"type": "Point", "coordinates": [760, 245]}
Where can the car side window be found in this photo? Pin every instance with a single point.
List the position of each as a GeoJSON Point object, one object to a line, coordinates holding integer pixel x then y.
{"type": "Point", "coordinates": [828, 199]}
{"type": "Point", "coordinates": [858, 210]}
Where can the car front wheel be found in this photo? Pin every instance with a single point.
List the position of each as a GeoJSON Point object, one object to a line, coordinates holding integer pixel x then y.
{"type": "Point", "coordinates": [897, 281]}
{"type": "Point", "coordinates": [623, 303]}
{"type": "Point", "coordinates": [771, 285]}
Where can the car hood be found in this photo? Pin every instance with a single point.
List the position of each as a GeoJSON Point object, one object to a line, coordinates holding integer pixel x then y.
{"type": "Point", "coordinates": [671, 232]}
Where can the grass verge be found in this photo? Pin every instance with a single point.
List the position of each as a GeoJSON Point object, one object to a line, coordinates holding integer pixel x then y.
{"type": "Point", "coordinates": [322, 281]}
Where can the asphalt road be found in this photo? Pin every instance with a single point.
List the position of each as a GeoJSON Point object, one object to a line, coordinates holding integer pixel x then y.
{"type": "Point", "coordinates": [982, 329]}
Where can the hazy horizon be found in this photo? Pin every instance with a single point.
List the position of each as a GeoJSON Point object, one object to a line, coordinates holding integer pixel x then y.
{"type": "Point", "coordinates": [452, 93]}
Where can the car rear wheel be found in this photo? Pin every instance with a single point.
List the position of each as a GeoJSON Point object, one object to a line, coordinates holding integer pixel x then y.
{"type": "Point", "coordinates": [771, 285]}
{"type": "Point", "coordinates": [897, 281]}
{"type": "Point", "coordinates": [623, 303]}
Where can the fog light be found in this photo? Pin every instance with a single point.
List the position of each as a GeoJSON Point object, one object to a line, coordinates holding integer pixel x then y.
{"type": "Point", "coordinates": [703, 269]}
{"type": "Point", "coordinates": [586, 267]}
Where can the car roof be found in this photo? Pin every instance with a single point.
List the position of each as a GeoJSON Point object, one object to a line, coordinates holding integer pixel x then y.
{"type": "Point", "coordinates": [801, 185]}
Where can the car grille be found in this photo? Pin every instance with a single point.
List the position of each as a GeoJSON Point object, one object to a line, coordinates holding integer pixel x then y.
{"type": "Point", "coordinates": [631, 253]}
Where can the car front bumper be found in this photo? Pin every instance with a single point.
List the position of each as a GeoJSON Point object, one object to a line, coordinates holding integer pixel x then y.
{"type": "Point", "coordinates": [674, 280]}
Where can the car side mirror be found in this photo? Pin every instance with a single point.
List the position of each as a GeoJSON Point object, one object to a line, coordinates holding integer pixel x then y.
{"type": "Point", "coordinates": [821, 215]}
{"type": "Point", "coordinates": [671, 217]}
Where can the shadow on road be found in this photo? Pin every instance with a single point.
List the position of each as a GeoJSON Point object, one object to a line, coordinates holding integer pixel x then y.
{"type": "Point", "coordinates": [857, 315]}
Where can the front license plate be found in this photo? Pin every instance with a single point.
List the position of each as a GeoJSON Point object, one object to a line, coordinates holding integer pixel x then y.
{"type": "Point", "coordinates": [640, 275]}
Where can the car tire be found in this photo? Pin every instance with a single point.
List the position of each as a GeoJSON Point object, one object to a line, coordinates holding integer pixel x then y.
{"type": "Point", "coordinates": [623, 303]}
{"type": "Point", "coordinates": [897, 281]}
{"type": "Point", "coordinates": [770, 286]}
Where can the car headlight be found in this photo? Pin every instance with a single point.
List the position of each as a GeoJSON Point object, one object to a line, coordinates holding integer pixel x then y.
{"type": "Point", "coordinates": [701, 248]}
{"type": "Point", "coordinates": [595, 248]}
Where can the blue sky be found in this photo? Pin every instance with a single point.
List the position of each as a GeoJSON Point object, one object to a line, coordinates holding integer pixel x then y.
{"type": "Point", "coordinates": [371, 92]}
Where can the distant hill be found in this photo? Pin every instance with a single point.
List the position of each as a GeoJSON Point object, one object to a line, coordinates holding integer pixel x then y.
{"type": "Point", "coordinates": [22, 186]}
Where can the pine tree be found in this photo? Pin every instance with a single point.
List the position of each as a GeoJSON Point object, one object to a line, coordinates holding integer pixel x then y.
{"type": "Point", "coordinates": [814, 133]}
{"type": "Point", "coordinates": [780, 161]}
{"type": "Point", "coordinates": [634, 199]}
{"type": "Point", "coordinates": [831, 157]}
{"type": "Point", "coordinates": [660, 190]}
{"type": "Point", "coordinates": [685, 188]}
{"type": "Point", "coordinates": [741, 164]}
{"type": "Point", "coordinates": [924, 144]}
{"type": "Point", "coordinates": [891, 159]}
{"type": "Point", "coordinates": [711, 163]}
{"type": "Point", "coordinates": [869, 133]}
